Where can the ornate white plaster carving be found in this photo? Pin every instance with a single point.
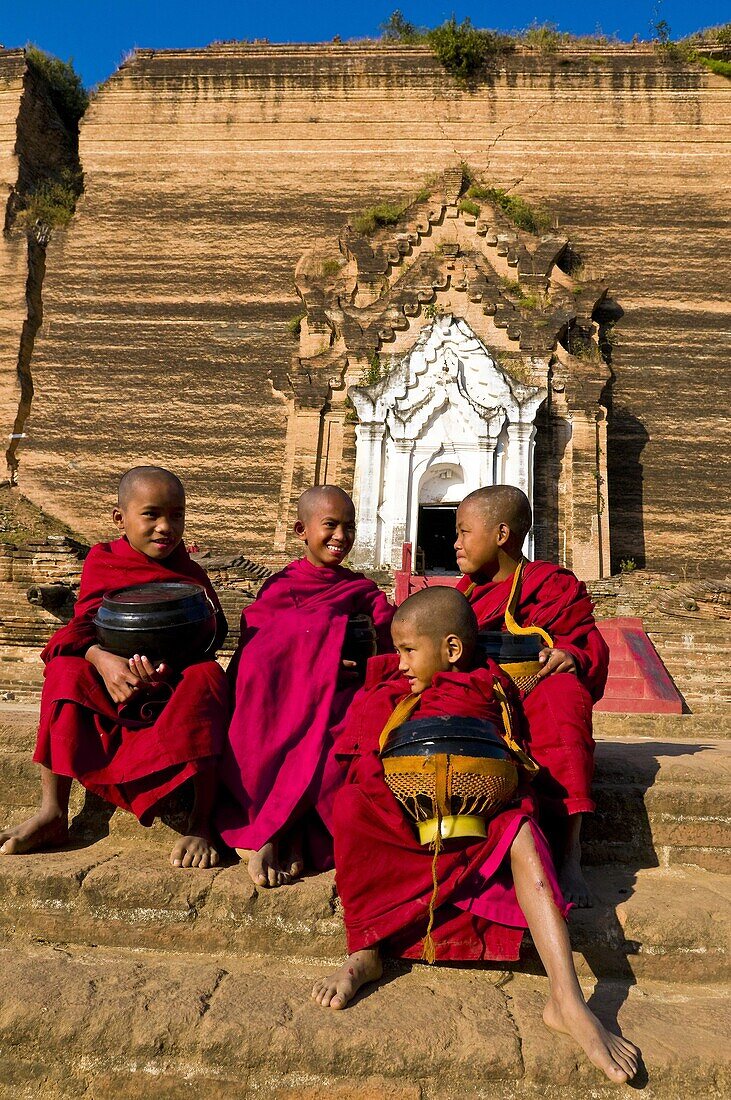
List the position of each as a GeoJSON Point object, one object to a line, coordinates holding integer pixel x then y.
{"type": "Point", "coordinates": [439, 412]}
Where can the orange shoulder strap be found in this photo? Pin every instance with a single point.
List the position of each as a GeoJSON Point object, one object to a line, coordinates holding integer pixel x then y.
{"type": "Point", "coordinates": [400, 713]}
{"type": "Point", "coordinates": [513, 599]}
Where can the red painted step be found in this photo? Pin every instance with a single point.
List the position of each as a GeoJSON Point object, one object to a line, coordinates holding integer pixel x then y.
{"type": "Point", "coordinates": [638, 681]}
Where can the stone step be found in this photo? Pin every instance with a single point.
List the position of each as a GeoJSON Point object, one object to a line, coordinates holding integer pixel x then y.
{"type": "Point", "coordinates": [653, 808]}
{"type": "Point", "coordinates": [150, 1026]}
{"type": "Point", "coordinates": [665, 924]}
{"type": "Point", "coordinates": [660, 727]}
{"type": "Point", "coordinates": [659, 801]}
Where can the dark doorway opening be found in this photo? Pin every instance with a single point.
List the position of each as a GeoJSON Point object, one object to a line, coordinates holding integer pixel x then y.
{"type": "Point", "coordinates": [435, 538]}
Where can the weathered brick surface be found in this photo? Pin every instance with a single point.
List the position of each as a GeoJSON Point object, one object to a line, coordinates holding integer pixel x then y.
{"type": "Point", "coordinates": [209, 172]}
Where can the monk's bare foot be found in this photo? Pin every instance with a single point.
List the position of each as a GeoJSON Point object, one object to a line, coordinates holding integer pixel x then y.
{"type": "Point", "coordinates": [46, 829]}
{"type": "Point", "coordinates": [615, 1056]}
{"type": "Point", "coordinates": [574, 886]}
{"type": "Point", "coordinates": [194, 851]}
{"type": "Point", "coordinates": [338, 989]}
{"type": "Point", "coordinates": [264, 866]}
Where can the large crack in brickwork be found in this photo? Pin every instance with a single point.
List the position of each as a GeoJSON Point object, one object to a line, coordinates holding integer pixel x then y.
{"type": "Point", "coordinates": [49, 183]}
{"type": "Point", "coordinates": [24, 371]}
{"type": "Point", "coordinates": [464, 159]}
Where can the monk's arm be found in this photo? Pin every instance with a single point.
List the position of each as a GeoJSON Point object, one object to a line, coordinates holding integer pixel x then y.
{"type": "Point", "coordinates": [562, 607]}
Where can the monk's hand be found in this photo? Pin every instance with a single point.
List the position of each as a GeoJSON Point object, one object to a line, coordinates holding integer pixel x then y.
{"type": "Point", "coordinates": [148, 674]}
{"type": "Point", "coordinates": [120, 680]}
{"type": "Point", "coordinates": [555, 660]}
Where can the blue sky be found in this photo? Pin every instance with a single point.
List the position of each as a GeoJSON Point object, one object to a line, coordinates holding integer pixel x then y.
{"type": "Point", "coordinates": [97, 33]}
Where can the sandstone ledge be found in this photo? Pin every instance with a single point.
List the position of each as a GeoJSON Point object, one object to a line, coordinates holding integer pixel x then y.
{"type": "Point", "coordinates": [657, 923]}
{"type": "Point", "coordinates": [148, 1025]}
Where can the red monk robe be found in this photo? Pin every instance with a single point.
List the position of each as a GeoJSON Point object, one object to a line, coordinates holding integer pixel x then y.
{"type": "Point", "coordinates": [113, 750]}
{"type": "Point", "coordinates": [383, 873]}
{"type": "Point", "coordinates": [277, 763]}
{"type": "Point", "coordinates": [558, 710]}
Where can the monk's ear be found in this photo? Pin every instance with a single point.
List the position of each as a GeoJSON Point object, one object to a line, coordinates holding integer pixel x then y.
{"type": "Point", "coordinates": [299, 530]}
{"type": "Point", "coordinates": [454, 648]}
{"type": "Point", "coordinates": [118, 519]}
{"type": "Point", "coordinates": [503, 533]}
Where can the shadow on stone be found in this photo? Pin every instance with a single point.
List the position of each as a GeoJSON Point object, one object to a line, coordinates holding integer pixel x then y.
{"type": "Point", "coordinates": [91, 823]}
{"type": "Point", "coordinates": [619, 837]}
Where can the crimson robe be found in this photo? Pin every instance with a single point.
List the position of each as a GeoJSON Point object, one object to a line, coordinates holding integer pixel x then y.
{"type": "Point", "coordinates": [383, 873]}
{"type": "Point", "coordinates": [558, 709]}
{"type": "Point", "coordinates": [288, 699]}
{"type": "Point", "coordinates": [132, 754]}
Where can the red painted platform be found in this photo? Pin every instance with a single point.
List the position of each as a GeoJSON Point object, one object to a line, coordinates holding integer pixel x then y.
{"type": "Point", "coordinates": [405, 583]}
{"type": "Point", "coordinates": [638, 681]}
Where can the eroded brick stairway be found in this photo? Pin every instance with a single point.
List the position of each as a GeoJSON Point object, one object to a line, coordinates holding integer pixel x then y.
{"type": "Point", "coordinates": [124, 977]}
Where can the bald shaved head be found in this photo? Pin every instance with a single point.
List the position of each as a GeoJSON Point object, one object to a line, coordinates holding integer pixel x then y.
{"type": "Point", "coordinates": [325, 524]}
{"type": "Point", "coordinates": [436, 612]}
{"type": "Point", "coordinates": [150, 511]}
{"type": "Point", "coordinates": [319, 497]}
{"type": "Point", "coordinates": [503, 504]}
{"type": "Point", "coordinates": [148, 478]}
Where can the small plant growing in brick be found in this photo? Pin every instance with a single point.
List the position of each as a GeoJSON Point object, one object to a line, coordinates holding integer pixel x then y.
{"type": "Point", "coordinates": [544, 37]}
{"type": "Point", "coordinates": [294, 325]}
{"type": "Point", "coordinates": [374, 217]}
{"type": "Point", "coordinates": [50, 204]}
{"type": "Point", "coordinates": [374, 372]}
{"type": "Point", "coordinates": [469, 206]}
{"type": "Point", "coordinates": [521, 213]}
{"type": "Point", "coordinates": [330, 268]}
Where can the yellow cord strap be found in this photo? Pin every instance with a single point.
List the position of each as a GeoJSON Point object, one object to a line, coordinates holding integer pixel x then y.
{"type": "Point", "coordinates": [530, 765]}
{"type": "Point", "coordinates": [400, 713]}
{"type": "Point", "coordinates": [513, 599]}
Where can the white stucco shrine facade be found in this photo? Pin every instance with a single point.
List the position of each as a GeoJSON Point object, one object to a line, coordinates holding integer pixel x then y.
{"type": "Point", "coordinates": [444, 421]}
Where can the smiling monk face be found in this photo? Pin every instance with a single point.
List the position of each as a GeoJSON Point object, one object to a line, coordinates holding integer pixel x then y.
{"type": "Point", "coordinates": [151, 511]}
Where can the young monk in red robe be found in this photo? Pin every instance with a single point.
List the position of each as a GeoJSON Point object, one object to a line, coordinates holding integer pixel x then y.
{"type": "Point", "coordinates": [492, 525]}
{"type": "Point", "coordinates": [291, 691]}
{"type": "Point", "coordinates": [488, 890]}
{"type": "Point", "coordinates": [126, 730]}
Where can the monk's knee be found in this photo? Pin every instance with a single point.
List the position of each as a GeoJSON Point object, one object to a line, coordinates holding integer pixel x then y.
{"type": "Point", "coordinates": [524, 855]}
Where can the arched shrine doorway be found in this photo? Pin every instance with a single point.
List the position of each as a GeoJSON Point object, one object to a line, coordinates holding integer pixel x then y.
{"type": "Point", "coordinates": [445, 420]}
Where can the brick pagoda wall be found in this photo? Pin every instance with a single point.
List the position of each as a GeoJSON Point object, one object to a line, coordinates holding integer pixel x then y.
{"type": "Point", "coordinates": [209, 172]}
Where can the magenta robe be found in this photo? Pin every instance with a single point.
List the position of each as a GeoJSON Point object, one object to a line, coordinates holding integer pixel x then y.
{"type": "Point", "coordinates": [277, 764]}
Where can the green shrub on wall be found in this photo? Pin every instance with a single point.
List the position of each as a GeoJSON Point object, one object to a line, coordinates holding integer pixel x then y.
{"type": "Point", "coordinates": [463, 49]}
{"type": "Point", "coordinates": [518, 210]}
{"type": "Point", "coordinates": [50, 204]}
{"type": "Point", "coordinates": [64, 84]}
